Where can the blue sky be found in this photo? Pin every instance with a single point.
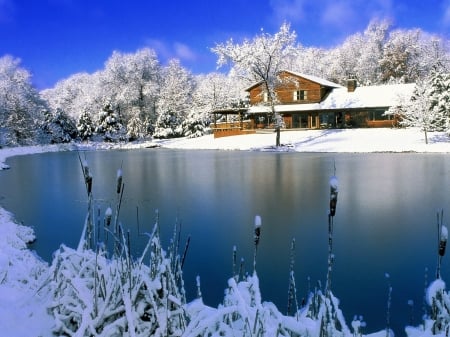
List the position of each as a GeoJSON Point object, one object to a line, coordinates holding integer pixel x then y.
{"type": "Point", "coordinates": [58, 38]}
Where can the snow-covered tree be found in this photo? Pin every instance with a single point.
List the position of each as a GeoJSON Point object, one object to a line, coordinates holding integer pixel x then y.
{"type": "Point", "coordinates": [109, 125]}
{"type": "Point", "coordinates": [368, 68]}
{"type": "Point", "coordinates": [131, 82]}
{"type": "Point", "coordinates": [400, 55]}
{"type": "Point", "coordinates": [58, 127]}
{"type": "Point", "coordinates": [308, 60]}
{"type": "Point", "coordinates": [212, 92]}
{"type": "Point", "coordinates": [85, 126]}
{"type": "Point", "coordinates": [260, 60]}
{"type": "Point", "coordinates": [429, 106]}
{"type": "Point", "coordinates": [439, 95]}
{"type": "Point", "coordinates": [138, 126]}
{"type": "Point", "coordinates": [20, 104]}
{"type": "Point", "coordinates": [175, 99]}
{"type": "Point", "coordinates": [79, 93]}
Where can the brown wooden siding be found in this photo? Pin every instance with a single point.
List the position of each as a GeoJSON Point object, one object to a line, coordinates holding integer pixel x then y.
{"type": "Point", "coordinates": [285, 91]}
{"type": "Point", "coordinates": [291, 83]}
{"type": "Point", "coordinates": [256, 95]}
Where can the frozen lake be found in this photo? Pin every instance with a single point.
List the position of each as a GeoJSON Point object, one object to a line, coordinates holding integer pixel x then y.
{"type": "Point", "coordinates": [385, 221]}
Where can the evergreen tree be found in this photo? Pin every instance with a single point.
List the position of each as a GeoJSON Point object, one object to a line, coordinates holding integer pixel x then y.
{"type": "Point", "coordinates": [439, 96]}
{"type": "Point", "coordinates": [58, 127]}
{"type": "Point", "coordinates": [85, 126]}
{"type": "Point", "coordinates": [429, 107]}
{"type": "Point", "coordinates": [110, 126]}
{"type": "Point", "coordinates": [138, 126]}
{"type": "Point", "coordinates": [196, 124]}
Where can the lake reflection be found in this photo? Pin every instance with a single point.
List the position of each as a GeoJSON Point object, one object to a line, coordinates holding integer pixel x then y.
{"type": "Point", "coordinates": [385, 221]}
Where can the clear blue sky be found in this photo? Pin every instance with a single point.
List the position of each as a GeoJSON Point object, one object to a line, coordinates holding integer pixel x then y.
{"type": "Point", "coordinates": [58, 38]}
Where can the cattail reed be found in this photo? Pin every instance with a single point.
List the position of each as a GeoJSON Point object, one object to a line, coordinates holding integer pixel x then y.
{"type": "Point", "coordinates": [119, 180]}
{"type": "Point", "coordinates": [291, 290]}
{"type": "Point", "coordinates": [331, 214]}
{"type": "Point", "coordinates": [333, 195]}
{"type": "Point", "coordinates": [235, 275]}
{"type": "Point", "coordinates": [388, 307]}
{"type": "Point", "coordinates": [199, 292]}
{"type": "Point", "coordinates": [256, 237]}
{"type": "Point", "coordinates": [411, 312]}
{"type": "Point", "coordinates": [87, 177]}
{"type": "Point", "coordinates": [442, 241]}
{"type": "Point", "coordinates": [108, 216]}
{"type": "Point", "coordinates": [186, 248]}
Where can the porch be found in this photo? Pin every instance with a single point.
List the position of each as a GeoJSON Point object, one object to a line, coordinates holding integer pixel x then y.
{"type": "Point", "coordinates": [232, 121]}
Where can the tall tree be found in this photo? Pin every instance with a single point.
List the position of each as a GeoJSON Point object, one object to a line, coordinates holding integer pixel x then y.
{"type": "Point", "coordinates": [429, 107]}
{"type": "Point", "coordinates": [439, 97]}
{"type": "Point", "coordinates": [260, 60]}
{"type": "Point", "coordinates": [21, 108]}
{"type": "Point", "coordinates": [132, 82]}
{"type": "Point", "coordinates": [174, 101]}
{"type": "Point", "coordinates": [76, 94]}
{"type": "Point", "coordinates": [212, 92]}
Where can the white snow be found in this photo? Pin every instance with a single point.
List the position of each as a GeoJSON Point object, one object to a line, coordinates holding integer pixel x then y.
{"type": "Point", "coordinates": [436, 287]}
{"type": "Point", "coordinates": [444, 233]}
{"type": "Point", "coordinates": [257, 221]}
{"type": "Point", "coordinates": [24, 294]}
{"type": "Point", "coordinates": [334, 183]}
{"type": "Point", "coordinates": [368, 97]}
{"type": "Point", "coordinates": [342, 140]}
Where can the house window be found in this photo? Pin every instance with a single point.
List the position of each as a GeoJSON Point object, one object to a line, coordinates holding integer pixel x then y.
{"type": "Point", "coordinates": [300, 95]}
{"type": "Point", "coordinates": [265, 97]}
{"type": "Point", "coordinates": [378, 115]}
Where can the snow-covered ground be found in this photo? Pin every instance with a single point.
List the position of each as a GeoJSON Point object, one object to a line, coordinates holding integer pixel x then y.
{"type": "Point", "coordinates": [343, 140]}
{"type": "Point", "coordinates": [23, 298]}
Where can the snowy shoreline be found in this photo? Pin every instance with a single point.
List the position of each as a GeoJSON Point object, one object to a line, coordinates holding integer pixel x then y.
{"type": "Point", "coordinates": [22, 273]}
{"type": "Point", "coordinates": [333, 141]}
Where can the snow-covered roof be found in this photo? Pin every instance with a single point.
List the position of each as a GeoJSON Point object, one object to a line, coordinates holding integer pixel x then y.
{"type": "Point", "coordinates": [378, 96]}
{"type": "Point", "coordinates": [311, 78]}
{"type": "Point", "coordinates": [315, 79]}
{"type": "Point", "coordinates": [367, 97]}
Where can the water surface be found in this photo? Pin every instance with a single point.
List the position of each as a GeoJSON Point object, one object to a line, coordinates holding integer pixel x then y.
{"type": "Point", "coordinates": [385, 221]}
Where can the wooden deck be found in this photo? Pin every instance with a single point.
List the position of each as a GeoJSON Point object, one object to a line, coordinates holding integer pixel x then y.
{"type": "Point", "coordinates": [226, 129]}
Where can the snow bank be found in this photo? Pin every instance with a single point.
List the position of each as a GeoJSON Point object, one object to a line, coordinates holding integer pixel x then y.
{"type": "Point", "coordinates": [22, 276]}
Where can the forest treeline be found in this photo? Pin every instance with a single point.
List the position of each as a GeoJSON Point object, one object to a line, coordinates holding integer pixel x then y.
{"type": "Point", "coordinates": [136, 97]}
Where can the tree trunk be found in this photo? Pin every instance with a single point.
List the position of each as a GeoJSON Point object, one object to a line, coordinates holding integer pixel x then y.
{"type": "Point", "coordinates": [277, 142]}
{"type": "Point", "coordinates": [426, 136]}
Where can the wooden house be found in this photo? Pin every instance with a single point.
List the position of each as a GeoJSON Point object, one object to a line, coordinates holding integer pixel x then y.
{"type": "Point", "coordinates": [310, 102]}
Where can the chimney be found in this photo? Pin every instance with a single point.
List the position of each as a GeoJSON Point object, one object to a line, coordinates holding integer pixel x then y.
{"type": "Point", "coordinates": [351, 85]}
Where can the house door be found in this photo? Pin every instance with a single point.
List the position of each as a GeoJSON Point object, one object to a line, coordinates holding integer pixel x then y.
{"type": "Point", "coordinates": [312, 124]}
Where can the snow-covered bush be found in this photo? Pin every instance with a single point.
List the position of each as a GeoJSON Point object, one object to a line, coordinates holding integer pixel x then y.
{"type": "Point", "coordinates": [97, 296]}
{"type": "Point", "coordinates": [94, 295]}
{"type": "Point", "coordinates": [196, 124]}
